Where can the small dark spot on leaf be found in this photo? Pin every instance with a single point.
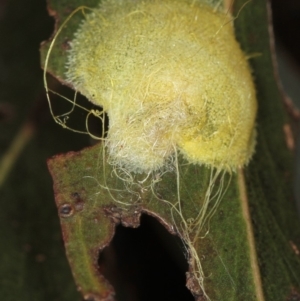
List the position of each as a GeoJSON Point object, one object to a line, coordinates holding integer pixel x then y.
{"type": "Point", "coordinates": [65, 210]}
{"type": "Point", "coordinates": [66, 44]}
{"type": "Point", "coordinates": [76, 195]}
{"type": "Point", "coordinates": [79, 203]}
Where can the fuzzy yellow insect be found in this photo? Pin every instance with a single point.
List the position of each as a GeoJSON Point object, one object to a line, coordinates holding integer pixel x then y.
{"type": "Point", "coordinates": [171, 76]}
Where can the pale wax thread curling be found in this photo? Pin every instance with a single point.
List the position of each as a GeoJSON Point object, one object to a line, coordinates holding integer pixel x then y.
{"type": "Point", "coordinates": [190, 228]}
{"type": "Point", "coordinates": [173, 81]}
{"type": "Point", "coordinates": [62, 118]}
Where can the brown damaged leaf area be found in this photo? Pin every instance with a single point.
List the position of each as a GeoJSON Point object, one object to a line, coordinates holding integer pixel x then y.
{"type": "Point", "coordinates": [89, 217]}
{"type": "Point", "coordinates": [92, 201]}
{"type": "Point", "coordinates": [82, 249]}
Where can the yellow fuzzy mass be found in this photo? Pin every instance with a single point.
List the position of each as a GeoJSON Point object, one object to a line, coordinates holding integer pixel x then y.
{"type": "Point", "coordinates": [170, 75]}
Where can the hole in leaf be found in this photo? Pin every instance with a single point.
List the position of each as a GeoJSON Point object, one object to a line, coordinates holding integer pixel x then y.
{"type": "Point", "coordinates": [145, 264]}
{"type": "Point", "coordinates": [68, 106]}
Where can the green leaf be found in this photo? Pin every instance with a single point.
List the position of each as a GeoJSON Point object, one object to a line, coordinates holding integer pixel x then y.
{"type": "Point", "coordinates": [250, 252]}
{"type": "Point", "coordinates": [89, 229]}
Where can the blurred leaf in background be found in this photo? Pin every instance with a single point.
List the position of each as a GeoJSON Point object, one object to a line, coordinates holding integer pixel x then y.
{"type": "Point", "coordinates": [33, 265]}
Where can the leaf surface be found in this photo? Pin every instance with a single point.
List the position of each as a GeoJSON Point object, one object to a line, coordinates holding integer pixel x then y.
{"type": "Point", "coordinates": [249, 253]}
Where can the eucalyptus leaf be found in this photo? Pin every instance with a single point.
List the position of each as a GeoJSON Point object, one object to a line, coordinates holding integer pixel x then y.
{"type": "Point", "coordinates": [250, 251]}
